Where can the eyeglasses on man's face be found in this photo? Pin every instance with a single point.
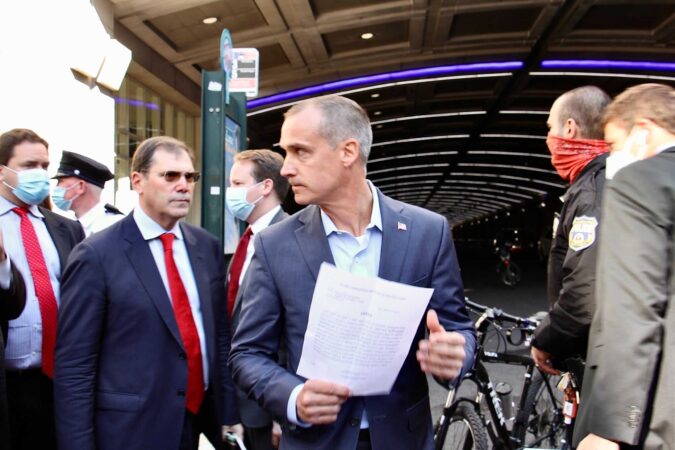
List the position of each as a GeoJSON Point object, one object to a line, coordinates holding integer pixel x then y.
{"type": "Point", "coordinates": [172, 176]}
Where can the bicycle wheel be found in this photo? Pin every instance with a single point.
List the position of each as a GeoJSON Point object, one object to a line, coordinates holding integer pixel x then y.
{"type": "Point", "coordinates": [544, 426]}
{"type": "Point", "coordinates": [515, 273]}
{"type": "Point", "coordinates": [463, 431]}
{"type": "Point", "coordinates": [510, 275]}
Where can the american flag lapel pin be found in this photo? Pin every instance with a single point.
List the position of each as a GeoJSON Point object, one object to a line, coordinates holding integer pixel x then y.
{"type": "Point", "coordinates": [401, 226]}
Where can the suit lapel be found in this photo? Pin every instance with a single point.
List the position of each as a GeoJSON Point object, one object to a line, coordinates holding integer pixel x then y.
{"type": "Point", "coordinates": [57, 230]}
{"type": "Point", "coordinates": [200, 272]}
{"type": "Point", "coordinates": [396, 231]}
{"type": "Point", "coordinates": [311, 238]}
{"type": "Point", "coordinates": [141, 259]}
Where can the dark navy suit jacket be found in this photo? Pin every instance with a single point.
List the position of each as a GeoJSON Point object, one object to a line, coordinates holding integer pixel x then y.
{"type": "Point", "coordinates": [121, 369]}
{"type": "Point", "coordinates": [417, 249]}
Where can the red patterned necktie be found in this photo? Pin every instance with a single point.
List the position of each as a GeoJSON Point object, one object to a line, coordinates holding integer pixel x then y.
{"type": "Point", "coordinates": [235, 269]}
{"type": "Point", "coordinates": [187, 328]}
{"type": "Point", "coordinates": [43, 289]}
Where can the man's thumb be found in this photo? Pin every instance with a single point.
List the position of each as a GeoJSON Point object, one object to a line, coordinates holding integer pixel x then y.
{"type": "Point", "coordinates": [433, 324]}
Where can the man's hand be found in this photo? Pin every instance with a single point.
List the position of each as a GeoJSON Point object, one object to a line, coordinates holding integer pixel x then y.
{"type": "Point", "coordinates": [276, 434]}
{"type": "Point", "coordinates": [542, 360]}
{"type": "Point", "coordinates": [319, 402]}
{"type": "Point", "coordinates": [442, 354]}
{"type": "Point", "coordinates": [595, 442]}
{"type": "Point", "coordinates": [237, 429]}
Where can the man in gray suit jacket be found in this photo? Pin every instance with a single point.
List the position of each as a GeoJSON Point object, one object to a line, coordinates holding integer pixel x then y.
{"type": "Point", "coordinates": [256, 192]}
{"type": "Point", "coordinates": [351, 224]}
{"type": "Point", "coordinates": [627, 397]}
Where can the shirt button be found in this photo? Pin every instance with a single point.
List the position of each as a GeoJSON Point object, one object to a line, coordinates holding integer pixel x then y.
{"type": "Point", "coordinates": [34, 353]}
{"type": "Point", "coordinates": [180, 393]}
{"type": "Point", "coordinates": [354, 421]}
{"type": "Point", "coordinates": [182, 355]}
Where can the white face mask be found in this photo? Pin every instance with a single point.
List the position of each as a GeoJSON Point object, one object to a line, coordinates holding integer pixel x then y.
{"type": "Point", "coordinates": [619, 159]}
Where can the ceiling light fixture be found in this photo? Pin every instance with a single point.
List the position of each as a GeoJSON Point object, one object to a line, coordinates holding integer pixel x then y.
{"type": "Point", "coordinates": [433, 116]}
{"type": "Point", "coordinates": [382, 78]}
{"type": "Point", "coordinates": [377, 113]}
{"type": "Point", "coordinates": [210, 20]}
{"type": "Point", "coordinates": [381, 86]}
{"type": "Point", "coordinates": [604, 75]}
{"type": "Point", "coordinates": [375, 95]}
{"type": "Point", "coordinates": [367, 36]}
{"type": "Point", "coordinates": [607, 64]}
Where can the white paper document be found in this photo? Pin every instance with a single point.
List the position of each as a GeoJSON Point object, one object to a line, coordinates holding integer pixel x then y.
{"type": "Point", "coordinates": [360, 330]}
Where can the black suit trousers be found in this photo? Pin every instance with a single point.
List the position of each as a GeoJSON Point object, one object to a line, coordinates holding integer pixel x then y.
{"type": "Point", "coordinates": [30, 397]}
{"type": "Point", "coordinates": [206, 422]}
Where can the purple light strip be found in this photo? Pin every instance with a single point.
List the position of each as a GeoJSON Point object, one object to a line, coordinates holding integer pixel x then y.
{"type": "Point", "coordinates": [383, 78]}
{"type": "Point", "coordinates": [137, 103]}
{"type": "Point", "coordinates": [607, 64]}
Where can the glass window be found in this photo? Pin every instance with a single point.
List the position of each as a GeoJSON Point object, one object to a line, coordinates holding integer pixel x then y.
{"type": "Point", "coordinates": [141, 113]}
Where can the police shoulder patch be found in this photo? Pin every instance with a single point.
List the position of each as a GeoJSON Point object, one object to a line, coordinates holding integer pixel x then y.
{"type": "Point", "coordinates": [583, 232]}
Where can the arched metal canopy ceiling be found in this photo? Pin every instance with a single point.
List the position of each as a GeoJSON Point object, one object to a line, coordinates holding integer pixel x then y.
{"type": "Point", "coordinates": [459, 135]}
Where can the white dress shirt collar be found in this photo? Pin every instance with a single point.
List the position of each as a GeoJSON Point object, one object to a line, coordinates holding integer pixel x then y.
{"type": "Point", "coordinates": [264, 220]}
{"type": "Point", "coordinates": [375, 216]}
{"type": "Point", "coordinates": [6, 206]}
{"type": "Point", "coordinates": [151, 229]}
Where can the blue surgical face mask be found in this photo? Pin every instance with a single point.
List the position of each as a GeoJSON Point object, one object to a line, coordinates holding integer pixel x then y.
{"type": "Point", "coordinates": [32, 186]}
{"type": "Point", "coordinates": [59, 197]}
{"type": "Point", "coordinates": [235, 199]}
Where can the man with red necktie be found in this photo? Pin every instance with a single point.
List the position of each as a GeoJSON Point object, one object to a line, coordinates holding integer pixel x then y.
{"type": "Point", "coordinates": [256, 192]}
{"type": "Point", "coordinates": [143, 331]}
{"type": "Point", "coordinates": [37, 243]}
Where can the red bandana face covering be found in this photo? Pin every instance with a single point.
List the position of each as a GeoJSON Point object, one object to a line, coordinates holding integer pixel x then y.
{"type": "Point", "coordinates": [570, 156]}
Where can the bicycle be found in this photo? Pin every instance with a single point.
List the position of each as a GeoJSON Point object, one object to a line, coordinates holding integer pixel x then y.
{"type": "Point", "coordinates": [509, 272]}
{"type": "Point", "coordinates": [539, 419]}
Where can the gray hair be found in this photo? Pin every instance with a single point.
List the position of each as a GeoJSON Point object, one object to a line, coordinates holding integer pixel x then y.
{"type": "Point", "coordinates": [341, 119]}
{"type": "Point", "coordinates": [586, 105]}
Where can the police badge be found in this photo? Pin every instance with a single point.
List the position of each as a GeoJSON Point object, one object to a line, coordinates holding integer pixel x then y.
{"type": "Point", "coordinates": [582, 234]}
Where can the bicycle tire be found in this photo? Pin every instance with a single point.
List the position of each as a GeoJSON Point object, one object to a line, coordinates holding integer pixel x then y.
{"type": "Point", "coordinates": [464, 430]}
{"type": "Point", "coordinates": [543, 418]}
{"type": "Point", "coordinates": [510, 275]}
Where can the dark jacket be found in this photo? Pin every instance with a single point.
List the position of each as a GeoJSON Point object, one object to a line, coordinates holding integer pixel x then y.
{"type": "Point", "coordinates": [629, 386]}
{"type": "Point", "coordinates": [120, 367]}
{"type": "Point", "coordinates": [417, 249]}
{"type": "Point", "coordinates": [571, 266]}
{"type": "Point", "coordinates": [12, 302]}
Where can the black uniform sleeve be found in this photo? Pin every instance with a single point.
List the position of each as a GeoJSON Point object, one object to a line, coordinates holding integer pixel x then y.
{"type": "Point", "coordinates": [564, 332]}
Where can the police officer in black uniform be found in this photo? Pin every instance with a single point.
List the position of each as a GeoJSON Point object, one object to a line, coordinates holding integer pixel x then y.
{"type": "Point", "coordinates": [578, 153]}
{"type": "Point", "coordinates": [81, 182]}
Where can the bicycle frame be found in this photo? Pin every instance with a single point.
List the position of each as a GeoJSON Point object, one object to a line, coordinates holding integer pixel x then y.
{"type": "Point", "coordinates": [495, 425]}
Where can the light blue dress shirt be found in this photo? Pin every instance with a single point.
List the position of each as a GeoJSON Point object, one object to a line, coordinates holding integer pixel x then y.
{"type": "Point", "coordinates": [24, 341]}
{"type": "Point", "coordinates": [151, 231]}
{"type": "Point", "coordinates": [355, 254]}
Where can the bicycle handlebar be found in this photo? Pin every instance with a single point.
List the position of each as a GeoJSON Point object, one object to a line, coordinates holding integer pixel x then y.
{"type": "Point", "coordinates": [496, 314]}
